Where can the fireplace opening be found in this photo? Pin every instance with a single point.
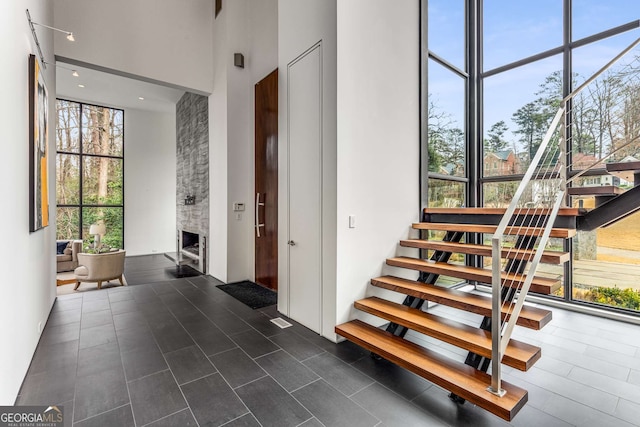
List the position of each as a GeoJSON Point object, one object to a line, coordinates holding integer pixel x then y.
{"type": "Point", "coordinates": [191, 250]}
{"type": "Point", "coordinates": [190, 245]}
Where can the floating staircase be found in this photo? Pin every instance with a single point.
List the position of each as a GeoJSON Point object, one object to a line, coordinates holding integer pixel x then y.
{"type": "Point", "coordinates": [520, 234]}
{"type": "Point", "coordinates": [469, 380]}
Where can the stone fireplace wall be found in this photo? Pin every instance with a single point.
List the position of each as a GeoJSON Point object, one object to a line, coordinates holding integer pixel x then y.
{"type": "Point", "coordinates": [192, 141]}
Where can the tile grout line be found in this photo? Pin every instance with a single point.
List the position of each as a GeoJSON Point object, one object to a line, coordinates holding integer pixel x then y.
{"type": "Point", "coordinates": [124, 372]}
{"type": "Point", "coordinates": [186, 401]}
{"type": "Point", "coordinates": [197, 345]}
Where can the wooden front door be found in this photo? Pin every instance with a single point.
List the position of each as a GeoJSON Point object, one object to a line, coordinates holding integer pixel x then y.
{"type": "Point", "coordinates": [266, 185]}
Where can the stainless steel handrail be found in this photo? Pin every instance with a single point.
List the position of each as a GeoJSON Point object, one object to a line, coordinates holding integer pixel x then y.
{"type": "Point", "coordinates": [501, 331]}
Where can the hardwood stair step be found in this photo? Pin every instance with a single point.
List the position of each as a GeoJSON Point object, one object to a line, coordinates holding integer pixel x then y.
{"type": "Point", "coordinates": [541, 285]}
{"type": "Point", "coordinates": [623, 166]}
{"type": "Point", "coordinates": [629, 171]}
{"type": "Point", "coordinates": [603, 190]}
{"type": "Point", "coordinates": [548, 257]}
{"type": "Point", "coordinates": [463, 380]}
{"type": "Point", "coordinates": [490, 229]}
{"type": "Point", "coordinates": [518, 355]}
{"type": "Point", "coordinates": [501, 211]}
{"type": "Point", "coordinates": [530, 317]}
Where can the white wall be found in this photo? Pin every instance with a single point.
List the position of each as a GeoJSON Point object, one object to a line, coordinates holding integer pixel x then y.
{"type": "Point", "coordinates": [28, 286]}
{"type": "Point", "coordinates": [301, 24]}
{"type": "Point", "coordinates": [370, 139]}
{"type": "Point", "coordinates": [150, 182]}
{"type": "Point", "coordinates": [168, 41]}
{"type": "Point", "coordinates": [218, 154]}
{"type": "Point", "coordinates": [378, 141]}
{"type": "Point", "coordinates": [250, 28]}
{"type": "Point", "coordinates": [240, 147]}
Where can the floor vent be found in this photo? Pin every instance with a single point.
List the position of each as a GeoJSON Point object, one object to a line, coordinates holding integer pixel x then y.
{"type": "Point", "coordinates": [280, 322]}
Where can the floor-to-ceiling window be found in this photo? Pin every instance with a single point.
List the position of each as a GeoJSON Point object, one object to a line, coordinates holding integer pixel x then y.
{"type": "Point", "coordinates": [89, 171]}
{"type": "Point", "coordinates": [494, 73]}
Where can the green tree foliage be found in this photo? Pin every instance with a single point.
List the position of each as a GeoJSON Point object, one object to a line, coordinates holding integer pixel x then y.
{"type": "Point", "coordinates": [615, 297]}
{"type": "Point", "coordinates": [534, 118]}
{"type": "Point", "coordinates": [495, 141]}
{"type": "Point", "coordinates": [435, 160]}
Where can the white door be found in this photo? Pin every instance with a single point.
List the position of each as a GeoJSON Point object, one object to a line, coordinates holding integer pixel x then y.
{"type": "Point", "coordinates": [305, 188]}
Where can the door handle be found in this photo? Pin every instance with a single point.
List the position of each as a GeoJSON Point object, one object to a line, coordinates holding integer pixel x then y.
{"type": "Point", "coordinates": [291, 243]}
{"type": "Point", "coordinates": [258, 225]}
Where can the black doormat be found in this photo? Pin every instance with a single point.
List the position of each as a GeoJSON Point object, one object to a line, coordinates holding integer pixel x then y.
{"type": "Point", "coordinates": [251, 294]}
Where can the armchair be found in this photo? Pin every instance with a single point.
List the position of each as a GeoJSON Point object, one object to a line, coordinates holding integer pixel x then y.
{"type": "Point", "coordinates": [99, 267]}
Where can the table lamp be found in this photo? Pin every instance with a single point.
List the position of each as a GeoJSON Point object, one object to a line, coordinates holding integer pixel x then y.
{"type": "Point", "coordinates": [97, 230]}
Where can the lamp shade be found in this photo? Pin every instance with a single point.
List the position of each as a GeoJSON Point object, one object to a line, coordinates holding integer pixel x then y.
{"type": "Point", "coordinates": [97, 229]}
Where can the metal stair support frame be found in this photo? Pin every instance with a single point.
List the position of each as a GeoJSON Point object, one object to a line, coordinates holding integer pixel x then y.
{"type": "Point", "coordinates": [622, 206]}
{"type": "Point", "coordinates": [429, 278]}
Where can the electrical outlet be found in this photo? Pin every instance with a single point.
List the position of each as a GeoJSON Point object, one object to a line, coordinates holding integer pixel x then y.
{"type": "Point", "coordinates": [238, 216]}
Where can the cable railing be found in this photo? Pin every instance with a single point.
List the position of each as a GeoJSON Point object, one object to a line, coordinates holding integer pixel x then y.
{"type": "Point", "coordinates": [543, 189]}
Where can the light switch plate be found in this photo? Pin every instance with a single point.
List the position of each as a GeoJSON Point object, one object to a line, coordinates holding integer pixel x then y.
{"type": "Point", "coordinates": [238, 207]}
{"type": "Point", "coordinates": [352, 221]}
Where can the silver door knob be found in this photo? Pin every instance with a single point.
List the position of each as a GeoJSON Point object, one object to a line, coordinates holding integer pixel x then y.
{"type": "Point", "coordinates": [291, 243]}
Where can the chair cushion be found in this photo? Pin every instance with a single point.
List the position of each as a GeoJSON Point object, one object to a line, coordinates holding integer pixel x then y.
{"type": "Point", "coordinates": [63, 258]}
{"type": "Point", "coordinates": [81, 271]}
{"type": "Point", "coordinates": [61, 246]}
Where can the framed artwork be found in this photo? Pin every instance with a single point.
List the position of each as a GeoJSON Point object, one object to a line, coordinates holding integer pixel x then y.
{"type": "Point", "coordinates": [38, 137]}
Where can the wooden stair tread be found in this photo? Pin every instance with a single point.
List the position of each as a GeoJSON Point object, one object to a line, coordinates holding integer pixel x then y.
{"type": "Point", "coordinates": [490, 229]}
{"type": "Point", "coordinates": [549, 257]}
{"type": "Point", "coordinates": [501, 211]}
{"type": "Point", "coordinates": [530, 317]}
{"type": "Point", "coordinates": [540, 285]}
{"type": "Point", "coordinates": [629, 171]}
{"type": "Point", "coordinates": [518, 355]}
{"type": "Point", "coordinates": [461, 379]}
{"type": "Point", "coordinates": [602, 190]}
{"type": "Point", "coordinates": [623, 166]}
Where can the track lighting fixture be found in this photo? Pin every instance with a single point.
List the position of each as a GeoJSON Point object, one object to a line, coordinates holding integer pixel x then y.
{"type": "Point", "coordinates": [74, 72]}
{"type": "Point", "coordinates": [35, 37]}
{"type": "Point", "coordinates": [68, 33]}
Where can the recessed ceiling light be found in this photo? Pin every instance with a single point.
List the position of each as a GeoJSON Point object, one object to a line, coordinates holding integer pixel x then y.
{"type": "Point", "coordinates": [80, 85]}
{"type": "Point", "coordinates": [141, 98]}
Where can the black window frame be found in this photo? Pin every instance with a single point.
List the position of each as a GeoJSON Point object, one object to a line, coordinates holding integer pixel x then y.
{"type": "Point", "coordinates": [81, 155]}
{"type": "Point", "coordinates": [474, 76]}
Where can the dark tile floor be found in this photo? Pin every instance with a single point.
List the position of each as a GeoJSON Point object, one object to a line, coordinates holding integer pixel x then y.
{"type": "Point", "coordinates": [169, 351]}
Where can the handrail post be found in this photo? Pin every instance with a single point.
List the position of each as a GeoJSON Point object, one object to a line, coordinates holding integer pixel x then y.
{"type": "Point", "coordinates": [496, 318]}
{"type": "Point", "coordinates": [562, 157]}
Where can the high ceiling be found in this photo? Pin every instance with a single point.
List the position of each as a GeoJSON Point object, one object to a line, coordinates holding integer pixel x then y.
{"type": "Point", "coordinates": [112, 90]}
